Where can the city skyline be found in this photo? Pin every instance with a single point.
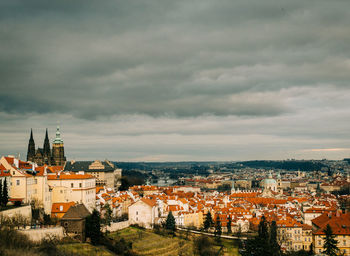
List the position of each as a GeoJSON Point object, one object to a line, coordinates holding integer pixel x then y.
{"type": "Point", "coordinates": [177, 81]}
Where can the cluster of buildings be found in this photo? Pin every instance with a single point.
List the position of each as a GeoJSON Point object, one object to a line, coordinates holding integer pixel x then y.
{"type": "Point", "coordinates": [47, 179]}
{"type": "Point", "coordinates": [301, 216]}
{"type": "Point", "coordinates": [300, 203]}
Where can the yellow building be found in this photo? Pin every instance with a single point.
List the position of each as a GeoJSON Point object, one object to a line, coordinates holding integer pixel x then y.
{"type": "Point", "coordinates": [307, 237]}
{"type": "Point", "coordinates": [290, 234]}
{"type": "Point", "coordinates": [340, 225]}
{"type": "Point", "coordinates": [79, 188]}
{"type": "Point", "coordinates": [193, 219]}
{"type": "Point", "coordinates": [27, 182]}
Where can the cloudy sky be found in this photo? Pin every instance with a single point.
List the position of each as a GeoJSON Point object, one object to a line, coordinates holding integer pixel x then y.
{"type": "Point", "coordinates": [177, 80]}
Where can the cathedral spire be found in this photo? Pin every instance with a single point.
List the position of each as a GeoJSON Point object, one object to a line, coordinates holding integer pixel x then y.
{"type": "Point", "coordinates": [31, 148]}
{"type": "Point", "coordinates": [46, 149]}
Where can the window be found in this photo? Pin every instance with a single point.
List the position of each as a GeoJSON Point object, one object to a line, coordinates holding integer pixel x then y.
{"type": "Point", "coordinates": [17, 182]}
{"type": "Point", "coordinates": [79, 185]}
{"type": "Point", "coordinates": [137, 213]}
{"type": "Point", "coordinates": [13, 173]}
{"type": "Point", "coordinates": [71, 185]}
{"type": "Point", "coordinates": [35, 181]}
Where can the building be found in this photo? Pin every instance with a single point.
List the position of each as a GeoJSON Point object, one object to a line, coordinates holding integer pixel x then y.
{"type": "Point", "coordinates": [45, 155]}
{"type": "Point", "coordinates": [269, 183]}
{"type": "Point", "coordinates": [58, 210]}
{"type": "Point", "coordinates": [27, 182]}
{"type": "Point", "coordinates": [76, 187]}
{"type": "Point", "coordinates": [340, 224]}
{"type": "Point", "coordinates": [73, 221]}
{"type": "Point", "coordinates": [105, 172]}
{"type": "Point", "coordinates": [290, 233]}
{"type": "Point", "coordinates": [144, 213]}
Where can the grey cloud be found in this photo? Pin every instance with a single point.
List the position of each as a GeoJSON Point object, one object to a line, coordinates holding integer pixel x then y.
{"type": "Point", "coordinates": [270, 68]}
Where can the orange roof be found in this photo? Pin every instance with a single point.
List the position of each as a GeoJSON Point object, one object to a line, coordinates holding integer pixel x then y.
{"type": "Point", "coordinates": [150, 202]}
{"type": "Point", "coordinates": [339, 222]}
{"type": "Point", "coordinates": [70, 177]}
{"type": "Point", "coordinates": [61, 207]}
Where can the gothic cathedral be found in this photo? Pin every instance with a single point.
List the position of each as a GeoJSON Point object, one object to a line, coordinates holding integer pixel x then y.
{"type": "Point", "coordinates": [45, 155]}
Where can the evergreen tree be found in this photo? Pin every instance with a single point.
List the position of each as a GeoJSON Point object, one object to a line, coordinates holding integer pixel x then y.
{"type": "Point", "coordinates": [218, 230]}
{"type": "Point", "coordinates": [4, 194]}
{"type": "Point", "coordinates": [93, 227]}
{"type": "Point", "coordinates": [330, 244]}
{"type": "Point", "coordinates": [108, 215]}
{"type": "Point", "coordinates": [208, 221]}
{"type": "Point", "coordinates": [170, 223]}
{"type": "Point", "coordinates": [229, 229]}
{"type": "Point", "coordinates": [259, 245]}
{"type": "Point", "coordinates": [1, 192]}
{"type": "Point", "coordinates": [273, 243]}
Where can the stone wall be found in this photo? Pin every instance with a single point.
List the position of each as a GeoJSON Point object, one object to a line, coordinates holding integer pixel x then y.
{"type": "Point", "coordinates": [37, 235]}
{"type": "Point", "coordinates": [118, 226]}
{"type": "Point", "coordinates": [25, 211]}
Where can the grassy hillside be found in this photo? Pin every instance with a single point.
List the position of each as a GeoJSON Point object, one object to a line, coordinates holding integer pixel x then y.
{"type": "Point", "coordinates": [146, 242]}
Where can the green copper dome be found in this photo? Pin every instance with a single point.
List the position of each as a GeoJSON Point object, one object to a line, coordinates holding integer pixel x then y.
{"type": "Point", "coordinates": [58, 139]}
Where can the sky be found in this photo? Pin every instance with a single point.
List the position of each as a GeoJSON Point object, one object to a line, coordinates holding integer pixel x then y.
{"type": "Point", "coordinates": [177, 80]}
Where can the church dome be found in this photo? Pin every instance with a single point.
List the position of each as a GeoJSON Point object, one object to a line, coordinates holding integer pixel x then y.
{"type": "Point", "coordinates": [269, 181]}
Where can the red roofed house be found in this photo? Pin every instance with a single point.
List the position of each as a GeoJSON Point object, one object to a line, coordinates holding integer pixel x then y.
{"type": "Point", "coordinates": [59, 209]}
{"type": "Point", "coordinates": [340, 224]}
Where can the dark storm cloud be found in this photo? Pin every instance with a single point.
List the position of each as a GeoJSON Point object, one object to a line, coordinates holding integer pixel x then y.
{"type": "Point", "coordinates": [177, 80]}
{"type": "Point", "coordinates": [176, 58]}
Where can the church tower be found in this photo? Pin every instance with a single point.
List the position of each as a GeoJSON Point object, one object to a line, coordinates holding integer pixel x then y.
{"type": "Point", "coordinates": [46, 150]}
{"type": "Point", "coordinates": [31, 148]}
{"type": "Point", "coordinates": [58, 157]}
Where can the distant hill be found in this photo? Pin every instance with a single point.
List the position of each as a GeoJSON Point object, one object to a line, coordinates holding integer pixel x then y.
{"type": "Point", "coordinates": [291, 165]}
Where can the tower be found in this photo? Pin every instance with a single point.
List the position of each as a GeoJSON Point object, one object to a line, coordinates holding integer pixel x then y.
{"type": "Point", "coordinates": [58, 157]}
{"type": "Point", "coordinates": [31, 148]}
{"type": "Point", "coordinates": [46, 150]}
{"type": "Point", "coordinates": [233, 190]}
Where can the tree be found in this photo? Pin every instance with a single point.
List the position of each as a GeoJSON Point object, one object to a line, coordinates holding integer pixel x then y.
{"type": "Point", "coordinates": [5, 196]}
{"type": "Point", "coordinates": [170, 223]}
{"type": "Point", "coordinates": [93, 227]}
{"type": "Point", "coordinates": [229, 229]}
{"type": "Point", "coordinates": [108, 215]}
{"type": "Point", "coordinates": [1, 194]}
{"type": "Point", "coordinates": [218, 230]}
{"type": "Point", "coordinates": [330, 244]}
{"type": "Point", "coordinates": [203, 246]}
{"type": "Point", "coordinates": [208, 221]}
{"type": "Point", "coordinates": [273, 243]}
{"type": "Point", "coordinates": [125, 184]}
{"type": "Point", "coordinates": [259, 245]}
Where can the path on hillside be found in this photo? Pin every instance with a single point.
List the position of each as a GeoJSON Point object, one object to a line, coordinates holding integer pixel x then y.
{"type": "Point", "coordinates": [211, 234]}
